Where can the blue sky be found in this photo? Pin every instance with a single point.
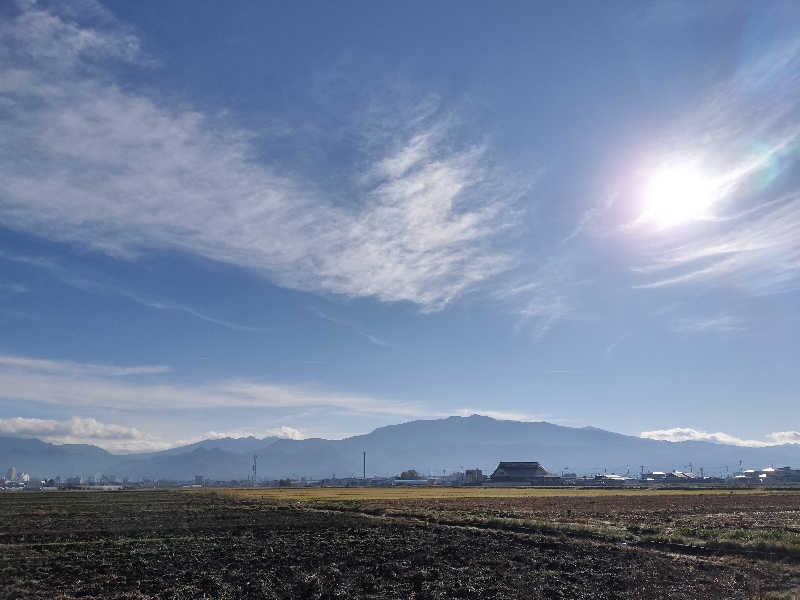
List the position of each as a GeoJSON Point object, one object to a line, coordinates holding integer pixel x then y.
{"type": "Point", "coordinates": [312, 219]}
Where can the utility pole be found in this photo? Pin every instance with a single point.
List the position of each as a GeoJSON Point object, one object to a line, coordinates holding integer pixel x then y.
{"type": "Point", "coordinates": [365, 465]}
{"type": "Point", "coordinates": [255, 469]}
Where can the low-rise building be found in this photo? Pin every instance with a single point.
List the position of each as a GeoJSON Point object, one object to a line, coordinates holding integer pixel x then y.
{"type": "Point", "coordinates": [522, 473]}
{"type": "Point", "coordinates": [473, 476]}
{"type": "Point", "coordinates": [680, 477]}
{"type": "Point", "coordinates": [780, 475]}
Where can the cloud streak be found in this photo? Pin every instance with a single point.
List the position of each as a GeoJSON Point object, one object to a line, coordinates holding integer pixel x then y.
{"type": "Point", "coordinates": [195, 313]}
{"type": "Point", "coordinates": [120, 438]}
{"type": "Point", "coordinates": [684, 434]}
{"type": "Point", "coordinates": [87, 385]}
{"type": "Point", "coordinates": [79, 282]}
{"type": "Point", "coordinates": [345, 323]}
{"type": "Point", "coordinates": [759, 253]}
{"type": "Point", "coordinates": [125, 173]}
{"type": "Point", "coordinates": [75, 369]}
{"type": "Point", "coordinates": [716, 324]}
{"type": "Point", "coordinates": [12, 288]}
{"type": "Point", "coordinates": [542, 299]}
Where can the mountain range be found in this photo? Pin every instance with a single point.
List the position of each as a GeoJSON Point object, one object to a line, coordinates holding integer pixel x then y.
{"type": "Point", "coordinates": [429, 446]}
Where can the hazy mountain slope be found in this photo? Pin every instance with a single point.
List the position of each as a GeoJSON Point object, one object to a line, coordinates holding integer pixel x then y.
{"type": "Point", "coordinates": [213, 463]}
{"type": "Point", "coordinates": [45, 460]}
{"type": "Point", "coordinates": [463, 442]}
{"type": "Point", "coordinates": [245, 445]}
{"type": "Point", "coordinates": [429, 446]}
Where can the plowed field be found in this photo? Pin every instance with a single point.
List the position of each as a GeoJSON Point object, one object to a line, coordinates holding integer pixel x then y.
{"type": "Point", "coordinates": [228, 544]}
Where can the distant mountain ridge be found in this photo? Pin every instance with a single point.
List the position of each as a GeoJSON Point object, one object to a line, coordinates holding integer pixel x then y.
{"type": "Point", "coordinates": [243, 445]}
{"type": "Point", "coordinates": [429, 446]}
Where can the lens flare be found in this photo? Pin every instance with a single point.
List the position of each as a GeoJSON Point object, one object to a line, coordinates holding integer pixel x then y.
{"type": "Point", "coordinates": [677, 194]}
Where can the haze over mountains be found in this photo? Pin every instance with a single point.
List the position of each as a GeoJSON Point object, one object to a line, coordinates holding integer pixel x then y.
{"type": "Point", "coordinates": [430, 446]}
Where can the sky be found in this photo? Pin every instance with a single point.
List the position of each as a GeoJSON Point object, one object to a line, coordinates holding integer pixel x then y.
{"type": "Point", "coordinates": [312, 219]}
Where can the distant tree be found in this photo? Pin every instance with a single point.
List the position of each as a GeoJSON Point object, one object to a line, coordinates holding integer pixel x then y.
{"type": "Point", "coordinates": [410, 474]}
{"type": "Point", "coordinates": [285, 482]}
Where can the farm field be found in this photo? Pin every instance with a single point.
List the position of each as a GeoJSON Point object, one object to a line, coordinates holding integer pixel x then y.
{"type": "Point", "coordinates": [409, 543]}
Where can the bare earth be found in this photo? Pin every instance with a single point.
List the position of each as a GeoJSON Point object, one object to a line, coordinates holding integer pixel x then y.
{"type": "Point", "coordinates": [409, 543]}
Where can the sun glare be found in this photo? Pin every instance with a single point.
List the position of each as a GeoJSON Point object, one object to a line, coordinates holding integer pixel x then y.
{"type": "Point", "coordinates": [676, 195]}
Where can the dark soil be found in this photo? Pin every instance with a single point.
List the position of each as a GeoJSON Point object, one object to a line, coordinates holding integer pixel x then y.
{"type": "Point", "coordinates": [173, 544]}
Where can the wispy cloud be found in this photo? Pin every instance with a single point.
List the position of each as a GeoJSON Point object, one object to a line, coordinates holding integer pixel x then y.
{"type": "Point", "coordinates": [540, 300]}
{"type": "Point", "coordinates": [715, 324]}
{"type": "Point", "coordinates": [588, 219]}
{"type": "Point", "coordinates": [684, 434]}
{"type": "Point", "coordinates": [422, 227]}
{"type": "Point", "coordinates": [86, 385]}
{"type": "Point", "coordinates": [64, 275]}
{"type": "Point", "coordinates": [350, 325]}
{"type": "Point", "coordinates": [759, 253]}
{"type": "Point", "coordinates": [12, 288]}
{"type": "Point", "coordinates": [750, 132]}
{"type": "Point", "coordinates": [193, 312]}
{"type": "Point", "coordinates": [75, 369]}
{"type": "Point", "coordinates": [121, 438]}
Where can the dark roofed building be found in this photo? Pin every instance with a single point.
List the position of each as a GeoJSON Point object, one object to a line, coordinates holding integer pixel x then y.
{"type": "Point", "coordinates": [519, 472]}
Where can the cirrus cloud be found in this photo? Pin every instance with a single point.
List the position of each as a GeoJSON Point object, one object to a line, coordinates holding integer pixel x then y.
{"type": "Point", "coordinates": [753, 238]}
{"type": "Point", "coordinates": [66, 383]}
{"type": "Point", "coordinates": [90, 161]}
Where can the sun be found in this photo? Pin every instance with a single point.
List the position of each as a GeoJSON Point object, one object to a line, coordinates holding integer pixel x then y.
{"type": "Point", "coordinates": [677, 194]}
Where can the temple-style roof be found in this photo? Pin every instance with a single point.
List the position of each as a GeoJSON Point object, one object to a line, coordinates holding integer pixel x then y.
{"type": "Point", "coordinates": [519, 471]}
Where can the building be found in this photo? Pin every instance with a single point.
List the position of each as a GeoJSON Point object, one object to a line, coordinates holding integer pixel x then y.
{"type": "Point", "coordinates": [779, 475]}
{"type": "Point", "coordinates": [655, 476]}
{"type": "Point", "coordinates": [473, 476]}
{"type": "Point", "coordinates": [523, 473]}
{"type": "Point", "coordinates": [609, 479]}
{"type": "Point", "coordinates": [680, 477]}
{"type": "Point", "coordinates": [11, 474]}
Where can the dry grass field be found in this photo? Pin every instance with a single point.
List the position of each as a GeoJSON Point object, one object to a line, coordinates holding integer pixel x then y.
{"type": "Point", "coordinates": [401, 493]}
{"type": "Point", "coordinates": [399, 544]}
